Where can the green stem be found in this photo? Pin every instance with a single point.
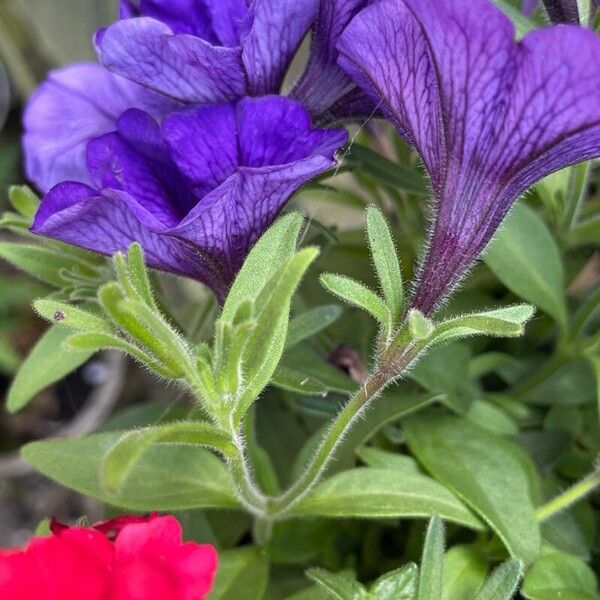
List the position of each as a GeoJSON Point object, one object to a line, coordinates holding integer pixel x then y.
{"type": "Point", "coordinates": [587, 309]}
{"type": "Point", "coordinates": [342, 424]}
{"type": "Point", "coordinates": [568, 497]}
{"type": "Point", "coordinates": [576, 193]}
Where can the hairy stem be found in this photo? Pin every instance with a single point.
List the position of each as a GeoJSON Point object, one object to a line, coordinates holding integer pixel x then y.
{"type": "Point", "coordinates": [568, 497]}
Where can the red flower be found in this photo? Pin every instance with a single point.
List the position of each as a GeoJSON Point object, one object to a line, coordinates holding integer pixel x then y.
{"type": "Point", "coordinates": [127, 558]}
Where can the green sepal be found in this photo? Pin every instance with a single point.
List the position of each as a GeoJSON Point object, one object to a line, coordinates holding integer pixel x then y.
{"type": "Point", "coordinates": [419, 325]}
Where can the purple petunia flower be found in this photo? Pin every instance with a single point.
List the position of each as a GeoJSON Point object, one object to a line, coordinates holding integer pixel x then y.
{"type": "Point", "coordinates": [222, 50]}
{"type": "Point", "coordinates": [73, 106]}
{"type": "Point", "coordinates": [208, 50]}
{"type": "Point", "coordinates": [488, 115]}
{"type": "Point", "coordinates": [180, 52]}
{"type": "Point", "coordinates": [196, 191]}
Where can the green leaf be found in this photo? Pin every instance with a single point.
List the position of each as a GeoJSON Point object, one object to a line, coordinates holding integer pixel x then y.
{"type": "Point", "coordinates": [560, 576]}
{"type": "Point", "coordinates": [46, 364]}
{"type": "Point", "coordinates": [312, 322]}
{"type": "Point", "coordinates": [304, 360]}
{"type": "Point", "coordinates": [166, 477]}
{"type": "Point", "coordinates": [381, 493]}
{"type": "Point", "coordinates": [24, 199]}
{"type": "Point", "coordinates": [274, 248]}
{"type": "Point", "coordinates": [356, 293]}
{"type": "Point", "coordinates": [123, 456]}
{"type": "Point", "coordinates": [340, 586]}
{"type": "Point", "coordinates": [465, 569]}
{"type": "Point", "coordinates": [502, 583]}
{"type": "Point", "coordinates": [267, 341]}
{"type": "Point", "coordinates": [526, 259]}
{"type": "Point", "coordinates": [243, 574]}
{"type": "Point", "coordinates": [400, 584]}
{"type": "Point", "coordinates": [430, 578]}
{"type": "Point", "coordinates": [298, 382]}
{"type": "Point", "coordinates": [385, 260]}
{"type": "Point", "coordinates": [383, 170]}
{"type": "Point", "coordinates": [585, 233]}
{"type": "Point", "coordinates": [502, 322]}
{"type": "Point", "coordinates": [374, 457]}
{"type": "Point", "coordinates": [44, 264]}
{"type": "Point", "coordinates": [9, 359]}
{"type": "Point", "coordinates": [72, 317]}
{"type": "Point", "coordinates": [486, 471]}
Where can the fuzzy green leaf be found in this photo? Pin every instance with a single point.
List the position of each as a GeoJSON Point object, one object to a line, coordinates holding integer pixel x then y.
{"type": "Point", "coordinates": [340, 586]}
{"type": "Point", "coordinates": [558, 576]}
{"type": "Point", "coordinates": [139, 277]}
{"type": "Point", "coordinates": [166, 477]}
{"type": "Point", "coordinates": [273, 249]}
{"type": "Point", "coordinates": [526, 259]}
{"type": "Point", "coordinates": [72, 317]}
{"type": "Point", "coordinates": [312, 322]}
{"type": "Point", "coordinates": [46, 265]}
{"type": "Point", "coordinates": [502, 583]}
{"type": "Point", "coordinates": [267, 342]}
{"type": "Point", "coordinates": [489, 473]}
{"type": "Point", "coordinates": [243, 575]}
{"type": "Point", "coordinates": [386, 261]}
{"type": "Point", "coordinates": [122, 457]}
{"type": "Point", "coordinates": [381, 493]}
{"type": "Point", "coordinates": [356, 293]}
{"type": "Point", "coordinates": [465, 569]}
{"type": "Point", "coordinates": [400, 584]}
{"type": "Point", "coordinates": [46, 364]}
{"type": "Point", "coordinates": [430, 578]}
{"type": "Point", "coordinates": [502, 322]}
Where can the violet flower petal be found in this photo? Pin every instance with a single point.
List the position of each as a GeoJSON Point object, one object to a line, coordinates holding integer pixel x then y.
{"type": "Point", "coordinates": [204, 144]}
{"type": "Point", "coordinates": [490, 116]}
{"type": "Point", "coordinates": [323, 83]}
{"type": "Point", "coordinates": [71, 107]}
{"type": "Point", "coordinates": [277, 30]}
{"type": "Point", "coordinates": [111, 220]}
{"type": "Point", "coordinates": [181, 16]}
{"type": "Point", "coordinates": [182, 66]}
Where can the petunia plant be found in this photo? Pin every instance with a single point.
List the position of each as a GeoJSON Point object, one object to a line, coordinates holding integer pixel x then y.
{"type": "Point", "coordinates": [396, 398]}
